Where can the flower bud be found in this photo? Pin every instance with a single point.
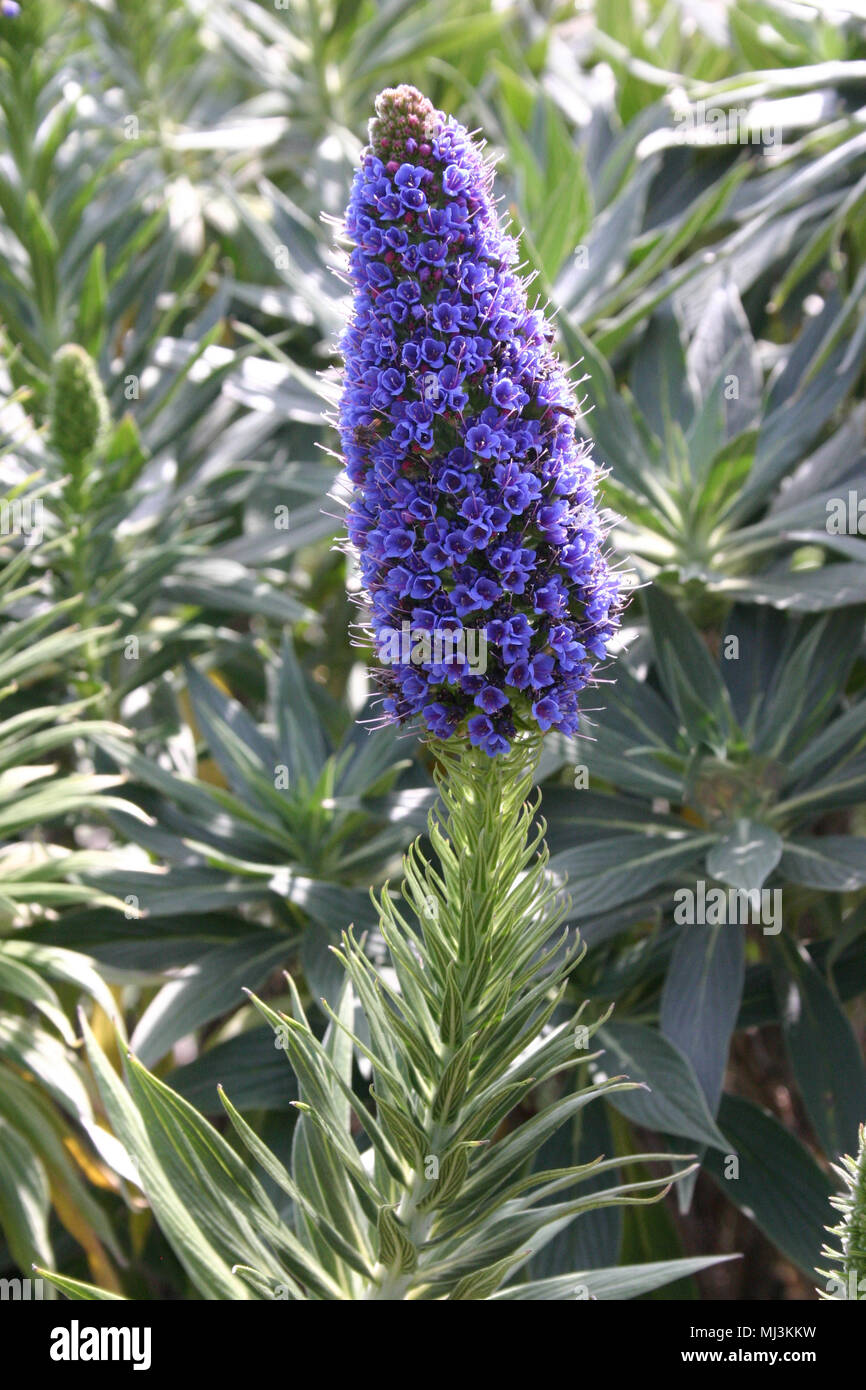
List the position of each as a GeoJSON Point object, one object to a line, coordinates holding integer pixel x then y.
{"type": "Point", "coordinates": [78, 410]}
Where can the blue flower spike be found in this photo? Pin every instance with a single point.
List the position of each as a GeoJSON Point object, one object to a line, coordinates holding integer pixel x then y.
{"type": "Point", "coordinates": [473, 513]}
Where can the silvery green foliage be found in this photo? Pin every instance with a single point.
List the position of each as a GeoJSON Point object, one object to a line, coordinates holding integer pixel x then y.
{"type": "Point", "coordinates": [848, 1280]}
{"type": "Point", "coordinates": [426, 1192]}
{"type": "Point", "coordinates": [444, 1205]}
{"type": "Point", "coordinates": [49, 1139]}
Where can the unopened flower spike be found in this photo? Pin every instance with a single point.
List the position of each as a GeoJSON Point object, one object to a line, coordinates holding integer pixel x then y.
{"type": "Point", "coordinates": [489, 597]}
{"type": "Point", "coordinates": [78, 409]}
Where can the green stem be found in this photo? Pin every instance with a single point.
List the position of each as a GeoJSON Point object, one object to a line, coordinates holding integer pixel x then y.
{"type": "Point", "coordinates": [484, 802]}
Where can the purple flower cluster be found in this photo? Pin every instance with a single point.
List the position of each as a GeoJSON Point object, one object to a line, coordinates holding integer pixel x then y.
{"type": "Point", "coordinates": [474, 501]}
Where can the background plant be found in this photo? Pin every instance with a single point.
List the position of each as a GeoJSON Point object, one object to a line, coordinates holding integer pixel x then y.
{"type": "Point", "coordinates": [437, 1202]}
{"type": "Point", "coordinates": [184, 251]}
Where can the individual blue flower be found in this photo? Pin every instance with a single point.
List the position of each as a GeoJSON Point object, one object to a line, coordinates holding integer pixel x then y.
{"type": "Point", "coordinates": [454, 180]}
{"type": "Point", "coordinates": [491, 699]}
{"type": "Point", "coordinates": [473, 506]}
{"type": "Point", "coordinates": [546, 712]}
{"type": "Point", "coordinates": [481, 440]}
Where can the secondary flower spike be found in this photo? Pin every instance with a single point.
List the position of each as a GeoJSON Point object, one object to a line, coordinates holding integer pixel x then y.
{"type": "Point", "coordinates": [473, 505]}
